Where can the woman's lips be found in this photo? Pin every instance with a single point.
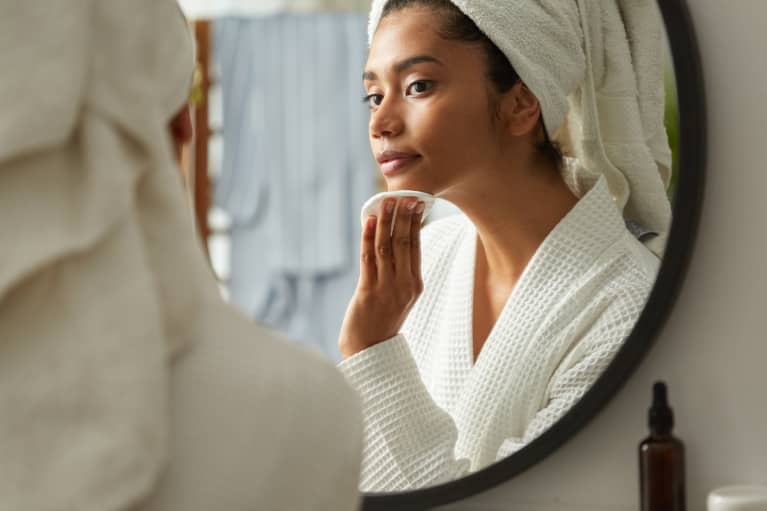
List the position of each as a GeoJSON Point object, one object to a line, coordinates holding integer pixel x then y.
{"type": "Point", "coordinates": [396, 165]}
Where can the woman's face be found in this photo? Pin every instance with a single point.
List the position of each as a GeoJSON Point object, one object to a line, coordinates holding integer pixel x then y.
{"type": "Point", "coordinates": [431, 124]}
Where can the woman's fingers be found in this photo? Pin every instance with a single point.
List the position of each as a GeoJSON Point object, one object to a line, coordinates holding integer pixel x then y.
{"type": "Point", "coordinates": [397, 248]}
{"type": "Point", "coordinates": [368, 270]}
{"type": "Point", "coordinates": [402, 242]}
{"type": "Point", "coordinates": [383, 244]}
{"type": "Point", "coordinates": [415, 241]}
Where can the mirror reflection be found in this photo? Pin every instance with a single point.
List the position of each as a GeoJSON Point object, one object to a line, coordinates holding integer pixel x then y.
{"type": "Point", "coordinates": [545, 131]}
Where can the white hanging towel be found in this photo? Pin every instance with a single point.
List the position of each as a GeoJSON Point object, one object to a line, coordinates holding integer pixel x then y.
{"type": "Point", "coordinates": [248, 8]}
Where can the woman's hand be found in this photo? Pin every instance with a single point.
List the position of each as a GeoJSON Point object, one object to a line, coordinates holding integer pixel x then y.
{"type": "Point", "coordinates": [390, 276]}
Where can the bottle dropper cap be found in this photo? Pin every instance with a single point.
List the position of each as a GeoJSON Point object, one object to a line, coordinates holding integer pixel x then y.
{"type": "Point", "coordinates": [660, 417]}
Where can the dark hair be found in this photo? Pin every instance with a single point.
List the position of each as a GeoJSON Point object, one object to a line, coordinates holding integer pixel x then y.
{"type": "Point", "coordinates": [456, 26]}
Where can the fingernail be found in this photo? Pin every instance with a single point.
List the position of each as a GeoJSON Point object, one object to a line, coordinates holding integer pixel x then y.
{"type": "Point", "coordinates": [411, 205]}
{"type": "Point", "coordinates": [421, 207]}
{"type": "Point", "coordinates": [389, 206]}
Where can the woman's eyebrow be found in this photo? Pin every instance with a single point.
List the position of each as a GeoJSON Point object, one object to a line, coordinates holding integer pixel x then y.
{"type": "Point", "coordinates": [403, 65]}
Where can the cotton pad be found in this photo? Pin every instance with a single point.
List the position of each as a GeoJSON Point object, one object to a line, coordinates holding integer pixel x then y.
{"type": "Point", "coordinates": [373, 204]}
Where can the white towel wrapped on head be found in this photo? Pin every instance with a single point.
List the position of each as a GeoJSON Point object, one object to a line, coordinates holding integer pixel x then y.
{"type": "Point", "coordinates": [124, 376]}
{"type": "Point", "coordinates": [596, 67]}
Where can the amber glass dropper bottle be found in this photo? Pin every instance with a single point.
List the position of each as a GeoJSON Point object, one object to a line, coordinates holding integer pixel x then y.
{"type": "Point", "coordinates": [661, 459]}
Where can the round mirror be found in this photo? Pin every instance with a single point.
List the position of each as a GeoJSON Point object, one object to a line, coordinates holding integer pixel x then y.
{"type": "Point", "coordinates": [488, 377]}
{"type": "Point", "coordinates": [685, 123]}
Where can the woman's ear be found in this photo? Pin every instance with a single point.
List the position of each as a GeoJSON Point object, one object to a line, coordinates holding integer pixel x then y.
{"type": "Point", "coordinates": [520, 110]}
{"type": "Point", "coordinates": [181, 128]}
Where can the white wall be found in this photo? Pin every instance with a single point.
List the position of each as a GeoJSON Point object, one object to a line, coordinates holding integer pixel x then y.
{"type": "Point", "coordinates": [713, 350]}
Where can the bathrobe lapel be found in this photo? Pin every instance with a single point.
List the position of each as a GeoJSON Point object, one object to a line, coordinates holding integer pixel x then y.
{"type": "Point", "coordinates": [450, 362]}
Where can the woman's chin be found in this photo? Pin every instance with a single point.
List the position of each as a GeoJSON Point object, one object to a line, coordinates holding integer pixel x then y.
{"type": "Point", "coordinates": [395, 184]}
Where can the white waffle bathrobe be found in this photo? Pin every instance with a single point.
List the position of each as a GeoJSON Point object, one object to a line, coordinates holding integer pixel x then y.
{"type": "Point", "coordinates": [431, 413]}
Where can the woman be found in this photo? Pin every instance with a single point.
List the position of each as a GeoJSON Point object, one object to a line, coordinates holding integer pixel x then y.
{"type": "Point", "coordinates": [528, 296]}
{"type": "Point", "coordinates": [125, 380]}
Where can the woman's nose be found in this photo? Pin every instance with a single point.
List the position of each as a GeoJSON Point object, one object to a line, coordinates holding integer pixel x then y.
{"type": "Point", "coordinates": [385, 121]}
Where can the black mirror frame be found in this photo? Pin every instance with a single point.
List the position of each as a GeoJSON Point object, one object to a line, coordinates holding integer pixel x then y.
{"type": "Point", "coordinates": [688, 199]}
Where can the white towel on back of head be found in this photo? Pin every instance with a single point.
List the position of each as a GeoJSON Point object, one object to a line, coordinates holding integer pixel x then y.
{"type": "Point", "coordinates": [596, 67]}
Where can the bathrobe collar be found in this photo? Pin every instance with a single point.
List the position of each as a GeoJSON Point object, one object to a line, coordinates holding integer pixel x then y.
{"type": "Point", "coordinates": [591, 226]}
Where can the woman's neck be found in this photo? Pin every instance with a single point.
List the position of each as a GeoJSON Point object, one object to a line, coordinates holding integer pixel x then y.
{"type": "Point", "coordinates": [513, 213]}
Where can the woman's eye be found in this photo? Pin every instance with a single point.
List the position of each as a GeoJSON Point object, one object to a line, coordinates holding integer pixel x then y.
{"type": "Point", "coordinates": [372, 100]}
{"type": "Point", "coordinates": [420, 86]}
